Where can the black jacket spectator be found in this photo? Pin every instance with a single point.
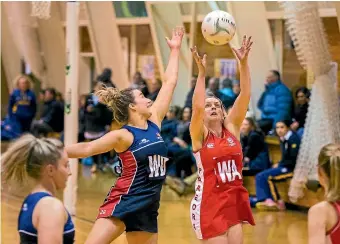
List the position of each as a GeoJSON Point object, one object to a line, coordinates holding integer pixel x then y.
{"type": "Point", "coordinates": [252, 144]}
{"type": "Point", "coordinates": [96, 115]}
{"type": "Point", "coordinates": [300, 114]}
{"type": "Point", "coordinates": [255, 150]}
{"type": "Point", "coordinates": [53, 115]}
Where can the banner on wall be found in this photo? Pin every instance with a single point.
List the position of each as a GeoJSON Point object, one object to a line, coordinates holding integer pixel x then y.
{"type": "Point", "coordinates": [225, 68]}
{"type": "Point", "coordinates": [147, 66]}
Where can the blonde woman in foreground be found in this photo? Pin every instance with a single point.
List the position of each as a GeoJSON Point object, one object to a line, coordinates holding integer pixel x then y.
{"type": "Point", "coordinates": [324, 217]}
{"type": "Point", "coordinates": [43, 218]}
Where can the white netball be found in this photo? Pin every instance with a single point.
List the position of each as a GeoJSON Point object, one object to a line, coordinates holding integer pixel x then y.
{"type": "Point", "coordinates": [218, 27]}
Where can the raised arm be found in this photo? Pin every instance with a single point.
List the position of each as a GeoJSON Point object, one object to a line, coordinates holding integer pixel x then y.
{"type": "Point", "coordinates": [197, 128]}
{"type": "Point", "coordinates": [117, 140]}
{"type": "Point", "coordinates": [161, 106]}
{"type": "Point", "coordinates": [240, 107]}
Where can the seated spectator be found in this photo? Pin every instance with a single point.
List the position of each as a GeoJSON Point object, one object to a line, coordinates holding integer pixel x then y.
{"type": "Point", "coordinates": [227, 88]}
{"type": "Point", "coordinates": [52, 115]}
{"type": "Point", "coordinates": [275, 103]}
{"type": "Point", "coordinates": [300, 111]}
{"type": "Point", "coordinates": [183, 159]}
{"type": "Point", "coordinates": [255, 150]}
{"type": "Point", "coordinates": [59, 97]}
{"type": "Point", "coordinates": [188, 100]}
{"type": "Point", "coordinates": [139, 83]}
{"type": "Point", "coordinates": [97, 122]}
{"type": "Point", "coordinates": [266, 193]}
{"type": "Point", "coordinates": [228, 94]}
{"type": "Point", "coordinates": [154, 88]}
{"type": "Point", "coordinates": [169, 125]}
{"type": "Point", "coordinates": [236, 88]}
{"type": "Point", "coordinates": [22, 103]}
{"type": "Point", "coordinates": [213, 89]}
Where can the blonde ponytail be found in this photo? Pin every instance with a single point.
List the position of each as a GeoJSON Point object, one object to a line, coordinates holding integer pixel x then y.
{"type": "Point", "coordinates": [329, 161]}
{"type": "Point", "coordinates": [26, 157]}
{"type": "Point", "coordinates": [117, 101]}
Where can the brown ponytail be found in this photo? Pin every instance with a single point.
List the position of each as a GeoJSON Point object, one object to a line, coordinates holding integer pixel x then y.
{"type": "Point", "coordinates": [329, 161]}
{"type": "Point", "coordinates": [117, 101]}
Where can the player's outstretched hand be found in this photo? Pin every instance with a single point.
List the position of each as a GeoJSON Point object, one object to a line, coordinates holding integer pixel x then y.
{"type": "Point", "coordinates": [200, 61]}
{"type": "Point", "coordinates": [176, 39]}
{"type": "Point", "coordinates": [242, 53]}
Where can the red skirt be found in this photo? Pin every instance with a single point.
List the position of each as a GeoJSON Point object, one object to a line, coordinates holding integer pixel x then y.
{"type": "Point", "coordinates": [215, 210]}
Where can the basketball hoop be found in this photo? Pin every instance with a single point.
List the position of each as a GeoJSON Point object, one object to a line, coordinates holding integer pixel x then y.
{"type": "Point", "coordinates": [41, 9]}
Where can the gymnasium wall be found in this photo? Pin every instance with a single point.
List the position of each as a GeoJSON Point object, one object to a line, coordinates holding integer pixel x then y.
{"type": "Point", "coordinates": [293, 74]}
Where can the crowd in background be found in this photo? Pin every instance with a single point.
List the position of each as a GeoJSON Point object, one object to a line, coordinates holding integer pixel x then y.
{"type": "Point", "coordinates": [280, 116]}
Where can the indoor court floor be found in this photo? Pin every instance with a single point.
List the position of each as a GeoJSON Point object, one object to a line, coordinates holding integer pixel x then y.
{"type": "Point", "coordinates": [174, 223]}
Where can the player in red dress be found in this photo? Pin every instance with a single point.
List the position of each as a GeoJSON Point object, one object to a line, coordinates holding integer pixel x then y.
{"type": "Point", "coordinates": [221, 203]}
{"type": "Point", "coordinates": [324, 217]}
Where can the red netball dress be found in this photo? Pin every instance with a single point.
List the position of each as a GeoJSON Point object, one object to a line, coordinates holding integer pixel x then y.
{"type": "Point", "coordinates": [220, 199]}
{"type": "Point", "coordinates": [334, 233]}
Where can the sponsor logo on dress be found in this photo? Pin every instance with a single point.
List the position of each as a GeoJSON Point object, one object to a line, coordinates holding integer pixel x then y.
{"type": "Point", "coordinates": [210, 145]}
{"type": "Point", "coordinates": [143, 141]}
{"type": "Point", "coordinates": [231, 142]}
{"type": "Point", "coordinates": [159, 137]}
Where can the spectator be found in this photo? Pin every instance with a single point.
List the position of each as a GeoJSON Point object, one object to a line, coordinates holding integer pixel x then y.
{"type": "Point", "coordinates": [255, 150]}
{"type": "Point", "coordinates": [139, 83]}
{"type": "Point", "coordinates": [266, 193]}
{"type": "Point", "coordinates": [22, 103]}
{"type": "Point", "coordinates": [81, 118]}
{"type": "Point", "coordinates": [213, 89]}
{"type": "Point", "coordinates": [275, 103]}
{"type": "Point", "coordinates": [226, 89]}
{"type": "Point", "coordinates": [59, 97]}
{"type": "Point", "coordinates": [40, 102]}
{"type": "Point", "coordinates": [183, 159]}
{"type": "Point", "coordinates": [300, 111]}
{"type": "Point", "coordinates": [188, 101]}
{"type": "Point", "coordinates": [169, 125]}
{"type": "Point", "coordinates": [97, 121]}
{"type": "Point", "coordinates": [213, 86]}
{"type": "Point", "coordinates": [52, 115]}
{"type": "Point", "coordinates": [236, 88]}
{"type": "Point", "coordinates": [154, 89]}
{"type": "Point", "coordinates": [105, 77]}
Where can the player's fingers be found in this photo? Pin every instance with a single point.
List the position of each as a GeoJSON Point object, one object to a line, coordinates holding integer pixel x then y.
{"type": "Point", "coordinates": [248, 41]}
{"type": "Point", "coordinates": [244, 40]}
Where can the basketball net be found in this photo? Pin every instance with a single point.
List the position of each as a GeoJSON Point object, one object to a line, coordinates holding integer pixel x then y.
{"type": "Point", "coordinates": [322, 123]}
{"type": "Point", "coordinates": [41, 9]}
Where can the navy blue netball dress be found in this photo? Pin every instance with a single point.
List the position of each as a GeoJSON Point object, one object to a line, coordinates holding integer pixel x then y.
{"type": "Point", "coordinates": [135, 197]}
{"type": "Point", "coordinates": [28, 233]}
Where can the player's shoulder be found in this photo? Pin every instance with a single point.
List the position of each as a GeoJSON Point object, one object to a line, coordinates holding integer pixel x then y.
{"type": "Point", "coordinates": [319, 208]}
{"type": "Point", "coordinates": [52, 203]}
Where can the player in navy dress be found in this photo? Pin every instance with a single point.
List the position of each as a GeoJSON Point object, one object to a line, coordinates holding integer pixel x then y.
{"type": "Point", "coordinates": [132, 203]}
{"type": "Point", "coordinates": [43, 218]}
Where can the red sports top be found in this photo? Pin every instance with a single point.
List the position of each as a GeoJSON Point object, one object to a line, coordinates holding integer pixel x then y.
{"type": "Point", "coordinates": [220, 200]}
{"type": "Point", "coordinates": [334, 233]}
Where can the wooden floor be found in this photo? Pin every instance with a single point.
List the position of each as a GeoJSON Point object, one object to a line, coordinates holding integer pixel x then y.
{"type": "Point", "coordinates": [174, 224]}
